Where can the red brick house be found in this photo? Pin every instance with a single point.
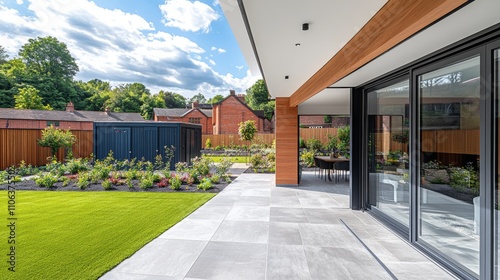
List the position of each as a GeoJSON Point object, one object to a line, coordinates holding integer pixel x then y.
{"type": "Point", "coordinates": [198, 113]}
{"type": "Point", "coordinates": [68, 119]}
{"type": "Point", "coordinates": [228, 113]}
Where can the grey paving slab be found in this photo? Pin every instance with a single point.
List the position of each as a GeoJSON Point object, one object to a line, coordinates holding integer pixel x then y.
{"type": "Point", "coordinates": [280, 258]}
{"type": "Point", "coordinates": [132, 276]}
{"type": "Point", "coordinates": [192, 229]}
{"type": "Point", "coordinates": [284, 234]}
{"type": "Point", "coordinates": [163, 257]}
{"type": "Point", "coordinates": [321, 216]}
{"type": "Point", "coordinates": [265, 192]}
{"type": "Point", "coordinates": [249, 213]}
{"type": "Point", "coordinates": [242, 231]}
{"type": "Point", "coordinates": [210, 212]}
{"type": "Point", "coordinates": [326, 235]}
{"type": "Point", "coordinates": [285, 214]}
{"type": "Point", "coordinates": [227, 260]}
{"type": "Point", "coordinates": [285, 201]}
{"type": "Point", "coordinates": [253, 201]}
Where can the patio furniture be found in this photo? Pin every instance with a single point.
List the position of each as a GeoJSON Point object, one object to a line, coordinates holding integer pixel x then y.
{"type": "Point", "coordinates": [329, 163]}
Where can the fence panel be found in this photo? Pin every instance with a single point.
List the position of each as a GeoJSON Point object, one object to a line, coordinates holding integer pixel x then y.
{"type": "Point", "coordinates": [21, 144]}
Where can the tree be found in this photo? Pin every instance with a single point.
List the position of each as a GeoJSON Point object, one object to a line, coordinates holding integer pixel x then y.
{"type": "Point", "coordinates": [216, 99]}
{"type": "Point", "coordinates": [149, 103]}
{"type": "Point", "coordinates": [55, 139]}
{"type": "Point", "coordinates": [3, 55]}
{"type": "Point", "coordinates": [200, 98]}
{"type": "Point", "coordinates": [46, 56]}
{"type": "Point", "coordinates": [99, 93]}
{"type": "Point", "coordinates": [327, 119]}
{"type": "Point", "coordinates": [127, 98]}
{"type": "Point", "coordinates": [28, 98]}
{"type": "Point", "coordinates": [257, 95]}
{"type": "Point", "coordinates": [172, 100]}
{"type": "Point", "coordinates": [247, 130]}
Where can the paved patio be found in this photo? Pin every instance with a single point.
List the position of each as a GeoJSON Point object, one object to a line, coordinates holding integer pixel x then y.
{"type": "Point", "coordinates": [254, 230]}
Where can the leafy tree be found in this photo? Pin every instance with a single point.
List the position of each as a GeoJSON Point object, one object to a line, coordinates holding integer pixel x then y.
{"type": "Point", "coordinates": [269, 109]}
{"type": "Point", "coordinates": [172, 100]}
{"type": "Point", "coordinates": [216, 99]}
{"type": "Point", "coordinates": [3, 55]}
{"type": "Point", "coordinates": [327, 119]}
{"type": "Point", "coordinates": [46, 56]}
{"type": "Point", "coordinates": [257, 95]}
{"type": "Point", "coordinates": [7, 92]}
{"type": "Point", "coordinates": [55, 139]}
{"type": "Point", "coordinates": [99, 93]}
{"type": "Point", "coordinates": [149, 103]}
{"type": "Point", "coordinates": [127, 98]}
{"type": "Point", "coordinates": [28, 98]}
{"type": "Point", "coordinates": [15, 69]}
{"type": "Point", "coordinates": [200, 98]}
{"type": "Point", "coordinates": [247, 130]}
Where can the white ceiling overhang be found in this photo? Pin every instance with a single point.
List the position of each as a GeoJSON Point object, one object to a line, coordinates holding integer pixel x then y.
{"type": "Point", "coordinates": [276, 28]}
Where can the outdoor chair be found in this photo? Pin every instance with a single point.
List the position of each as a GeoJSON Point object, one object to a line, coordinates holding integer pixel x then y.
{"type": "Point", "coordinates": [342, 168]}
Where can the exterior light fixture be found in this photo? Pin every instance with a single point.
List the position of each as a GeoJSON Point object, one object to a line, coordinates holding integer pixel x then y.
{"type": "Point", "coordinates": [305, 26]}
{"type": "Point", "coordinates": [286, 77]}
{"type": "Point", "coordinates": [297, 44]}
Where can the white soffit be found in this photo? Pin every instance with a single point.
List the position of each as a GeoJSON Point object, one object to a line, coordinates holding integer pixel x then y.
{"type": "Point", "coordinates": [276, 27]}
{"type": "Point", "coordinates": [330, 101]}
{"type": "Point", "coordinates": [474, 17]}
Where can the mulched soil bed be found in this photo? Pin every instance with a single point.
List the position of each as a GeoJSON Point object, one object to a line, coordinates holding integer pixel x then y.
{"type": "Point", "coordinates": [465, 195]}
{"type": "Point", "coordinates": [30, 185]}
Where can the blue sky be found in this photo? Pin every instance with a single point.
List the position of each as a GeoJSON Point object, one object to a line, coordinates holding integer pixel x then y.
{"type": "Point", "coordinates": [183, 46]}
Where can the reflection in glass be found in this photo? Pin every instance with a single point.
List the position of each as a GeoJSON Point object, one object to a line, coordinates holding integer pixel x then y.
{"type": "Point", "coordinates": [449, 162]}
{"type": "Point", "coordinates": [496, 88]}
{"type": "Point", "coordinates": [388, 142]}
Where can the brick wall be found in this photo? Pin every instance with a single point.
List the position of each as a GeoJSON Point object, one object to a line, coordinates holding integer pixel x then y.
{"type": "Point", "coordinates": [41, 124]}
{"type": "Point", "coordinates": [206, 122]}
{"type": "Point", "coordinates": [311, 120]}
{"type": "Point", "coordinates": [231, 113]}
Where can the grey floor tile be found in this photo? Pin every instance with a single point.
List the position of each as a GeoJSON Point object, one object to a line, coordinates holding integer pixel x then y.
{"type": "Point", "coordinates": [417, 271]}
{"type": "Point", "coordinates": [264, 192]}
{"type": "Point", "coordinates": [210, 212]}
{"type": "Point", "coordinates": [322, 216]}
{"type": "Point", "coordinates": [286, 262]}
{"type": "Point", "coordinates": [318, 202]}
{"type": "Point", "coordinates": [327, 235]}
{"type": "Point", "coordinates": [242, 231]}
{"type": "Point", "coordinates": [163, 257]}
{"type": "Point", "coordinates": [191, 229]}
{"type": "Point", "coordinates": [222, 200]}
{"type": "Point", "coordinates": [131, 276]}
{"type": "Point", "coordinates": [226, 260]}
{"type": "Point", "coordinates": [342, 263]}
{"type": "Point", "coordinates": [249, 213]}
{"type": "Point", "coordinates": [284, 233]}
{"type": "Point", "coordinates": [286, 201]}
{"type": "Point", "coordinates": [253, 201]}
{"type": "Point", "coordinates": [292, 215]}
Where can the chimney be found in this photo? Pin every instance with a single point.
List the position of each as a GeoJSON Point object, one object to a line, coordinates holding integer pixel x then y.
{"type": "Point", "coordinates": [241, 97]}
{"type": "Point", "coordinates": [194, 105]}
{"type": "Point", "coordinates": [106, 110]}
{"type": "Point", "coordinates": [232, 92]}
{"type": "Point", "coordinates": [70, 107]}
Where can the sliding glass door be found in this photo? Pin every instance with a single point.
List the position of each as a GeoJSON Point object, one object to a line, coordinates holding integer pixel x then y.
{"type": "Point", "coordinates": [388, 162]}
{"type": "Point", "coordinates": [496, 169]}
{"type": "Point", "coordinates": [449, 128]}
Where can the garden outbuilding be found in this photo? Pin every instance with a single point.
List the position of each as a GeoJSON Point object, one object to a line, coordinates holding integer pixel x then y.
{"type": "Point", "coordinates": [129, 140]}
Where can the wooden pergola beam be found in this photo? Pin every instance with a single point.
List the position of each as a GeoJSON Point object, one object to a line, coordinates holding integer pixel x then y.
{"type": "Point", "coordinates": [391, 25]}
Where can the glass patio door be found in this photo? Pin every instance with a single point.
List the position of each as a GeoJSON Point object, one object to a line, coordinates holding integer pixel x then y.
{"type": "Point", "coordinates": [449, 188]}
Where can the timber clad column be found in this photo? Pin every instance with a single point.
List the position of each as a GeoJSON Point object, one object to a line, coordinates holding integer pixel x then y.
{"type": "Point", "coordinates": [287, 143]}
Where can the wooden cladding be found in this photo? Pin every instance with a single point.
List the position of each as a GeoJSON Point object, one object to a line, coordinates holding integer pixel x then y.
{"type": "Point", "coordinates": [391, 25]}
{"type": "Point", "coordinates": [21, 144]}
{"type": "Point", "coordinates": [287, 139]}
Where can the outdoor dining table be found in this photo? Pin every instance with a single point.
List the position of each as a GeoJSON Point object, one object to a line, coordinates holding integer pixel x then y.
{"type": "Point", "coordinates": [331, 160]}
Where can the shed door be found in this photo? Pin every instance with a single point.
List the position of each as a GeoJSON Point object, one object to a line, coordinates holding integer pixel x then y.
{"type": "Point", "coordinates": [121, 145]}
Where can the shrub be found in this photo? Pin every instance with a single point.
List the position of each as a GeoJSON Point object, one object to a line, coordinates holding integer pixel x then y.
{"type": "Point", "coordinates": [55, 138]}
{"type": "Point", "coordinates": [65, 181]}
{"type": "Point", "coordinates": [47, 180]}
{"type": "Point", "coordinates": [25, 170]}
{"type": "Point", "coordinates": [223, 166]}
{"type": "Point", "coordinates": [314, 144]}
{"type": "Point", "coordinates": [219, 148]}
{"type": "Point", "coordinates": [466, 177]}
{"type": "Point", "coordinates": [55, 167]}
{"type": "Point", "coordinates": [257, 162]}
{"type": "Point", "coordinates": [83, 180]}
{"type": "Point", "coordinates": [302, 143]}
{"type": "Point", "coordinates": [146, 181]}
{"type": "Point", "coordinates": [129, 182]}
{"type": "Point", "coordinates": [132, 174]}
{"type": "Point", "coordinates": [215, 178]}
{"type": "Point", "coordinates": [106, 184]}
{"type": "Point", "coordinates": [200, 166]}
{"type": "Point", "coordinates": [307, 158]}
{"type": "Point", "coordinates": [158, 162]}
{"type": "Point", "coordinates": [175, 183]}
{"type": "Point", "coordinates": [181, 167]}
{"type": "Point", "coordinates": [205, 184]}
{"type": "Point", "coordinates": [100, 171]}
{"type": "Point", "coordinates": [163, 183]}
{"type": "Point", "coordinates": [74, 166]}
{"type": "Point", "coordinates": [333, 143]}
{"type": "Point", "coordinates": [208, 144]}
{"type": "Point", "coordinates": [344, 135]}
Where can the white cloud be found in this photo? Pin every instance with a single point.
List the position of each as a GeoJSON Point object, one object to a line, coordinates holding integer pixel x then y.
{"type": "Point", "coordinates": [219, 50]}
{"type": "Point", "coordinates": [187, 15]}
{"type": "Point", "coordinates": [118, 47]}
{"type": "Point", "coordinates": [20, 2]}
{"type": "Point", "coordinates": [239, 67]}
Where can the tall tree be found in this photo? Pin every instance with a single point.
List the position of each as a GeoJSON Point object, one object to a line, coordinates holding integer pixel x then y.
{"type": "Point", "coordinates": [149, 103]}
{"type": "Point", "coordinates": [99, 92]}
{"type": "Point", "coordinates": [127, 98]}
{"type": "Point", "coordinates": [257, 95]}
{"type": "Point", "coordinates": [4, 57]}
{"type": "Point", "coordinates": [200, 98]}
{"type": "Point", "coordinates": [28, 98]}
{"type": "Point", "coordinates": [216, 99]}
{"type": "Point", "coordinates": [46, 56]}
{"type": "Point", "coordinates": [172, 100]}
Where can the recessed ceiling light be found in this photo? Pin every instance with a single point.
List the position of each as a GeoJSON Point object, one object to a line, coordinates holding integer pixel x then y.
{"type": "Point", "coordinates": [305, 26]}
{"type": "Point", "coordinates": [286, 77]}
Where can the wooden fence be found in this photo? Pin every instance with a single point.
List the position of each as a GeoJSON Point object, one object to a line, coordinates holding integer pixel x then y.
{"type": "Point", "coordinates": [20, 144]}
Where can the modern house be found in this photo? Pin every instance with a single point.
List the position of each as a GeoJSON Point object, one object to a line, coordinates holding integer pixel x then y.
{"type": "Point", "coordinates": [197, 114]}
{"type": "Point", "coordinates": [220, 118]}
{"type": "Point", "coordinates": [68, 119]}
{"type": "Point", "coordinates": [421, 83]}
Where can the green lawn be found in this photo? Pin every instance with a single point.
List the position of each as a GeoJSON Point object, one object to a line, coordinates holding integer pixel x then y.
{"type": "Point", "coordinates": [236, 159]}
{"type": "Point", "coordinates": [81, 235]}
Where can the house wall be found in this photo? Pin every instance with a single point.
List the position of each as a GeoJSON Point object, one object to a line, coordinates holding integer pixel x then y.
{"type": "Point", "coordinates": [41, 124]}
{"type": "Point", "coordinates": [206, 122]}
{"type": "Point", "coordinates": [229, 115]}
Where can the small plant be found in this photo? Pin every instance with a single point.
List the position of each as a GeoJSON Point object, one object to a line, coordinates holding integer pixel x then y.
{"type": "Point", "coordinates": [200, 166]}
{"type": "Point", "coordinates": [307, 158]}
{"type": "Point", "coordinates": [83, 180]}
{"type": "Point", "coordinates": [302, 143]}
{"type": "Point", "coordinates": [159, 162]}
{"type": "Point", "coordinates": [181, 167]}
{"type": "Point", "coordinates": [149, 166]}
{"type": "Point", "coordinates": [25, 170]}
{"type": "Point", "coordinates": [132, 174]}
{"type": "Point", "coordinates": [146, 181]}
{"type": "Point", "coordinates": [163, 183]}
{"type": "Point", "coordinates": [129, 182]}
{"type": "Point", "coordinates": [106, 184]}
{"type": "Point", "coordinates": [47, 180]}
{"type": "Point", "coordinates": [223, 166]}
{"type": "Point", "coordinates": [55, 138]}
{"type": "Point", "coordinates": [215, 178]}
{"type": "Point", "coordinates": [314, 144]}
{"type": "Point", "coordinates": [208, 144]}
{"type": "Point", "coordinates": [65, 181]}
{"type": "Point", "coordinates": [175, 183]}
{"type": "Point", "coordinates": [466, 177]}
{"type": "Point", "coordinates": [74, 166]}
{"type": "Point", "coordinates": [257, 162]}
{"type": "Point", "coordinates": [205, 184]}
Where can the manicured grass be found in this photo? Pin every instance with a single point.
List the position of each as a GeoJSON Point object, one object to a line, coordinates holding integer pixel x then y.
{"type": "Point", "coordinates": [237, 159]}
{"type": "Point", "coordinates": [81, 235]}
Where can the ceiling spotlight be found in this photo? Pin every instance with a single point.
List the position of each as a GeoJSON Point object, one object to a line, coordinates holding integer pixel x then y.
{"type": "Point", "coordinates": [297, 44]}
{"type": "Point", "coordinates": [305, 26]}
{"type": "Point", "coordinates": [286, 77]}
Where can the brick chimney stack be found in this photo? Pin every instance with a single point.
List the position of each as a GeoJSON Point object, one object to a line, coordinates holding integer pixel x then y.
{"type": "Point", "coordinates": [106, 110]}
{"type": "Point", "coordinates": [232, 92]}
{"type": "Point", "coordinates": [241, 97]}
{"type": "Point", "coordinates": [194, 105]}
{"type": "Point", "coordinates": [70, 107]}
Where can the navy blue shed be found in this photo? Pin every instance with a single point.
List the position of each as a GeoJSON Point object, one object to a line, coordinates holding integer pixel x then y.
{"type": "Point", "coordinates": [146, 140]}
